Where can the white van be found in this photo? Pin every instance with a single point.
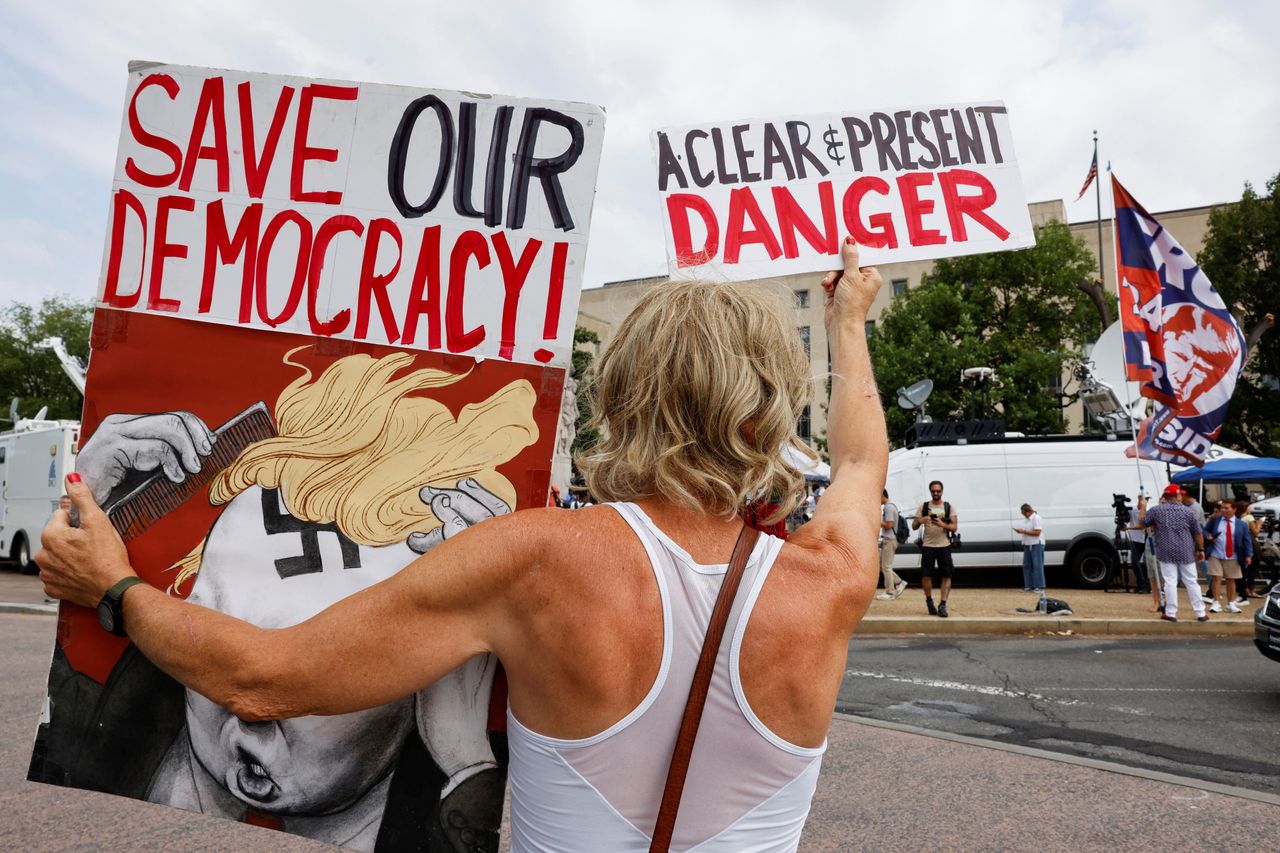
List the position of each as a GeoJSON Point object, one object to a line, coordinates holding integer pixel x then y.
{"type": "Point", "coordinates": [34, 457]}
{"type": "Point", "coordinates": [1069, 480]}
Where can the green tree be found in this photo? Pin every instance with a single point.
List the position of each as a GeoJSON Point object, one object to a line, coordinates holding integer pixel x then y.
{"type": "Point", "coordinates": [1241, 256]}
{"type": "Point", "coordinates": [581, 371]}
{"type": "Point", "coordinates": [34, 375]}
{"type": "Point", "coordinates": [1020, 313]}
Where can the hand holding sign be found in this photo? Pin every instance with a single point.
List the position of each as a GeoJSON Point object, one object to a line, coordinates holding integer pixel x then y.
{"type": "Point", "coordinates": [851, 292]}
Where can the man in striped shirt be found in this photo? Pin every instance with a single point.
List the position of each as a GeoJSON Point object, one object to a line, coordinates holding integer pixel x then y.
{"type": "Point", "coordinates": [1179, 544]}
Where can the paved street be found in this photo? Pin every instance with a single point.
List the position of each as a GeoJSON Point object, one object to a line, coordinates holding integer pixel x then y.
{"type": "Point", "coordinates": [1204, 708]}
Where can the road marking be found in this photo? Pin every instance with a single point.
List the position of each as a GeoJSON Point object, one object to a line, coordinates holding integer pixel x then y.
{"type": "Point", "coordinates": [1066, 758]}
{"type": "Point", "coordinates": [986, 690]}
{"type": "Point", "coordinates": [1159, 689]}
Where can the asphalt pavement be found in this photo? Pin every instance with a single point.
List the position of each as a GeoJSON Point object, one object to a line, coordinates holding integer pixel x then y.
{"type": "Point", "coordinates": [1206, 708]}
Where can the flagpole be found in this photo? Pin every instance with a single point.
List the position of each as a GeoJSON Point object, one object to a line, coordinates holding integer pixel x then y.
{"type": "Point", "coordinates": [1097, 194]}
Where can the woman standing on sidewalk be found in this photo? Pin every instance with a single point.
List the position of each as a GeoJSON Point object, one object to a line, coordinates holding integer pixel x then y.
{"type": "Point", "coordinates": [1032, 550]}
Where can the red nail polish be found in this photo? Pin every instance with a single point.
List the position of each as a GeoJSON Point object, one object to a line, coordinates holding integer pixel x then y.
{"type": "Point", "coordinates": [73, 477]}
{"type": "Point", "coordinates": [848, 241]}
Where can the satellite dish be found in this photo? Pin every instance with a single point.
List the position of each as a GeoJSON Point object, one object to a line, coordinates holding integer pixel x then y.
{"type": "Point", "coordinates": [13, 411]}
{"type": "Point", "coordinates": [40, 414]}
{"type": "Point", "coordinates": [1108, 368]}
{"type": "Point", "coordinates": [914, 396]}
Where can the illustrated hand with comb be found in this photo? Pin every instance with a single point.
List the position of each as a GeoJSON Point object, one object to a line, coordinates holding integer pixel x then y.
{"type": "Point", "coordinates": [174, 443]}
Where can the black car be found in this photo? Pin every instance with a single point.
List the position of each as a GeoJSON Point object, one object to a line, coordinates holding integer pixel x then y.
{"type": "Point", "coordinates": [1266, 626]}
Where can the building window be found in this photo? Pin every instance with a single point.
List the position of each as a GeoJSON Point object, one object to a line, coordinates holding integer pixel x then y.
{"type": "Point", "coordinates": [870, 326]}
{"type": "Point", "coordinates": [899, 286]}
{"type": "Point", "coordinates": [802, 299]}
{"type": "Point", "coordinates": [804, 339]}
{"type": "Point", "coordinates": [803, 428]}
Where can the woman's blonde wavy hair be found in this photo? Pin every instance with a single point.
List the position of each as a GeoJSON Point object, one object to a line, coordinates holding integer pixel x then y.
{"type": "Point", "coordinates": [355, 447]}
{"type": "Point", "coordinates": [697, 397]}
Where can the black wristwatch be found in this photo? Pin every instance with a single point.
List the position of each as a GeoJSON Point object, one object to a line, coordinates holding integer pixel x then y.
{"type": "Point", "coordinates": [111, 607]}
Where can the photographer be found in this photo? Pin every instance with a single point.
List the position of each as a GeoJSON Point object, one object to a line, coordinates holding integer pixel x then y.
{"type": "Point", "coordinates": [939, 521]}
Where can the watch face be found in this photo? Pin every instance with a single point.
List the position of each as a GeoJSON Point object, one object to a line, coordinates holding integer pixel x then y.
{"type": "Point", "coordinates": [105, 617]}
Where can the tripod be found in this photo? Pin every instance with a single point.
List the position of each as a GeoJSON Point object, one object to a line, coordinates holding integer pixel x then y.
{"type": "Point", "coordinates": [1124, 565]}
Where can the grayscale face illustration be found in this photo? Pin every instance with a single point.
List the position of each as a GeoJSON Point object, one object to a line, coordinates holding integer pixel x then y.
{"type": "Point", "coordinates": [262, 565]}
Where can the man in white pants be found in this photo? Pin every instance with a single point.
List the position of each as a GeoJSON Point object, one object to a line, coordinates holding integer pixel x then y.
{"type": "Point", "coordinates": [1179, 545]}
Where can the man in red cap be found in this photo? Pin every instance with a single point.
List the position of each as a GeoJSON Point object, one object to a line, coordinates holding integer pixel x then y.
{"type": "Point", "coordinates": [1179, 544]}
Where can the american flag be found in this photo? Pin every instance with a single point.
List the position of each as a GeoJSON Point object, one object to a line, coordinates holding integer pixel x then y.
{"type": "Point", "coordinates": [1093, 173]}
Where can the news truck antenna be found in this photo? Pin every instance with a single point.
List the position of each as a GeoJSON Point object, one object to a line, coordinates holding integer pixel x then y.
{"type": "Point", "coordinates": [913, 398]}
{"type": "Point", "coordinates": [70, 364]}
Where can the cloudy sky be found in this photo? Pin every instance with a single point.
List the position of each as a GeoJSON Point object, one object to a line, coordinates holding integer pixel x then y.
{"type": "Point", "coordinates": [1184, 94]}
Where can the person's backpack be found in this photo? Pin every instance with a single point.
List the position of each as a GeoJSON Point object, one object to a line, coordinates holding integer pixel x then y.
{"type": "Point", "coordinates": [900, 531]}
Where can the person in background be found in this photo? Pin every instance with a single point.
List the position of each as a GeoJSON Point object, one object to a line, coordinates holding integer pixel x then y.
{"type": "Point", "coordinates": [1250, 572]}
{"type": "Point", "coordinates": [939, 521]}
{"type": "Point", "coordinates": [1032, 550]}
{"type": "Point", "coordinates": [1202, 565]}
{"type": "Point", "coordinates": [893, 585]}
{"type": "Point", "coordinates": [1179, 546]}
{"type": "Point", "coordinates": [1137, 534]}
{"type": "Point", "coordinates": [1230, 550]}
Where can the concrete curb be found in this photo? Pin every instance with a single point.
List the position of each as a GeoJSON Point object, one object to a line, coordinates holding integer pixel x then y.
{"type": "Point", "coordinates": [33, 609]}
{"type": "Point", "coordinates": [1067, 758]}
{"type": "Point", "coordinates": [964, 625]}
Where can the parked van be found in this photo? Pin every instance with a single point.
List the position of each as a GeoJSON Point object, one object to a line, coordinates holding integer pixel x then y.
{"type": "Point", "coordinates": [34, 457]}
{"type": "Point", "coordinates": [1069, 480]}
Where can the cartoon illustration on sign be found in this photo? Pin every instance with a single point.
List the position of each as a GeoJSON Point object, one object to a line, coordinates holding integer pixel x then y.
{"type": "Point", "coordinates": [362, 472]}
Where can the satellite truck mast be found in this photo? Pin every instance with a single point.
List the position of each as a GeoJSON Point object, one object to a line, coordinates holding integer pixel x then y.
{"type": "Point", "coordinates": [70, 364]}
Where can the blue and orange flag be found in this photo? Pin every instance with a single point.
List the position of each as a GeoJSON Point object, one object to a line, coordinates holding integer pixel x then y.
{"type": "Point", "coordinates": [1180, 341]}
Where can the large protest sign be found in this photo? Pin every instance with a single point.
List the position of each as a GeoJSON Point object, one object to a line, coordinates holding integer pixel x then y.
{"type": "Point", "coordinates": [758, 198]}
{"type": "Point", "coordinates": [332, 330]}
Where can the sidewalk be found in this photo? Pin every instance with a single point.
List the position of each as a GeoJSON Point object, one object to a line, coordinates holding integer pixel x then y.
{"type": "Point", "coordinates": [974, 610]}
{"type": "Point", "coordinates": [994, 611]}
{"type": "Point", "coordinates": [21, 593]}
{"type": "Point", "coordinates": [896, 790]}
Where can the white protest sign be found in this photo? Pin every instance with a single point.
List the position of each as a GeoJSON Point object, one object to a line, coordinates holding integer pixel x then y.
{"type": "Point", "coordinates": [759, 198]}
{"type": "Point", "coordinates": [428, 219]}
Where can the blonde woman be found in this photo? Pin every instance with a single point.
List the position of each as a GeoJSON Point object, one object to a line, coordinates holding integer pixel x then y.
{"type": "Point", "coordinates": [366, 473]}
{"type": "Point", "coordinates": [597, 615]}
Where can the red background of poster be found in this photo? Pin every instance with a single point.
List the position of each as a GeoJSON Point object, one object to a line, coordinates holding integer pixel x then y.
{"type": "Point", "coordinates": [142, 364]}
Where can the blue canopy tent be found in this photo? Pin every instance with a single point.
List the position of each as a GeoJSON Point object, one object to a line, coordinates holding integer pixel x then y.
{"type": "Point", "coordinates": [1232, 471]}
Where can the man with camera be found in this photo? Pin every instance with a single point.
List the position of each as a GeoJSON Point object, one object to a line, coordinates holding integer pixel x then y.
{"type": "Point", "coordinates": [1179, 546]}
{"type": "Point", "coordinates": [939, 521]}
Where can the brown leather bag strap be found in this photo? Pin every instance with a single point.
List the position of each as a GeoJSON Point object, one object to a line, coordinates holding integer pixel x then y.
{"type": "Point", "coordinates": [679, 768]}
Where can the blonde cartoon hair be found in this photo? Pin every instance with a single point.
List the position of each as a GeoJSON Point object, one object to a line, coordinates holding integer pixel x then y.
{"type": "Point", "coordinates": [356, 445]}
{"type": "Point", "coordinates": [696, 399]}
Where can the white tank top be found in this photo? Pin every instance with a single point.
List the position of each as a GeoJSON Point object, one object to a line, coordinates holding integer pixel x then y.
{"type": "Point", "coordinates": [747, 788]}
